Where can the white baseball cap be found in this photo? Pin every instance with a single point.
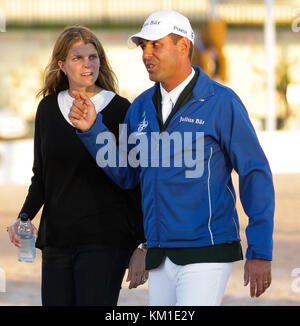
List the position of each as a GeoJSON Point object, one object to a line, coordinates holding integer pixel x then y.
{"type": "Point", "coordinates": [160, 24]}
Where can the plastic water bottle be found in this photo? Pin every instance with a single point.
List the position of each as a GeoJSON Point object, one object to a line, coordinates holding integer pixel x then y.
{"type": "Point", "coordinates": [26, 252]}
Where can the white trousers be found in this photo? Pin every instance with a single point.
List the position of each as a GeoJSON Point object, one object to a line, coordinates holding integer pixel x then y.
{"type": "Point", "coordinates": [200, 284]}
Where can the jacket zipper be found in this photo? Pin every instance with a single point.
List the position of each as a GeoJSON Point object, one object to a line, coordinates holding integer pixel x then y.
{"type": "Point", "coordinates": [156, 205]}
{"type": "Point", "coordinates": [186, 105]}
{"type": "Point", "coordinates": [167, 129]}
{"type": "Point", "coordinates": [209, 198]}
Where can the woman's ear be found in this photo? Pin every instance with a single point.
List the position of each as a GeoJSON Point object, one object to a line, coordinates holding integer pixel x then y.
{"type": "Point", "coordinates": [61, 66]}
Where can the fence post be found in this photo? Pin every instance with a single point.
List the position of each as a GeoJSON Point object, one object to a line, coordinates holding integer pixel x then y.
{"type": "Point", "coordinates": [2, 21]}
{"type": "Point", "coordinates": [2, 280]}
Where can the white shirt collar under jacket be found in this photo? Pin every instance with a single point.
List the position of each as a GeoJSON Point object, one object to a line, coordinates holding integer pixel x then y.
{"type": "Point", "coordinates": [174, 94]}
{"type": "Point", "coordinates": [100, 100]}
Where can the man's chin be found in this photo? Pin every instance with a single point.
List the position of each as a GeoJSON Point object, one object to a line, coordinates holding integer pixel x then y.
{"type": "Point", "coordinates": [153, 77]}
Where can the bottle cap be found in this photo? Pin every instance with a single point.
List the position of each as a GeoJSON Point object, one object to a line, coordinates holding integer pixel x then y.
{"type": "Point", "coordinates": [23, 216]}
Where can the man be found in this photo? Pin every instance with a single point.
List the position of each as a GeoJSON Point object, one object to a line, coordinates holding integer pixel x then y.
{"type": "Point", "coordinates": [191, 224]}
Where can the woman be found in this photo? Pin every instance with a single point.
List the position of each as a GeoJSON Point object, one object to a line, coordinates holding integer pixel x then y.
{"type": "Point", "coordinates": [89, 227]}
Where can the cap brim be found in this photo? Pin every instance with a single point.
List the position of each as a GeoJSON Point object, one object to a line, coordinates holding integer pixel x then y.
{"type": "Point", "coordinates": [134, 40]}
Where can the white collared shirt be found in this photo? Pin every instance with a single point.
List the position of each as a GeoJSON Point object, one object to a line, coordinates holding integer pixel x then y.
{"type": "Point", "coordinates": [100, 100]}
{"type": "Point", "coordinates": [174, 95]}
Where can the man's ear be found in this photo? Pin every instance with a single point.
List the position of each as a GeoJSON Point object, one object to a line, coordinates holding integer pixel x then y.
{"type": "Point", "coordinates": [184, 46]}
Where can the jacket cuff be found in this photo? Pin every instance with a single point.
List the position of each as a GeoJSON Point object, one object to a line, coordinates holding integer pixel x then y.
{"type": "Point", "coordinates": [94, 127]}
{"type": "Point", "coordinates": [259, 254]}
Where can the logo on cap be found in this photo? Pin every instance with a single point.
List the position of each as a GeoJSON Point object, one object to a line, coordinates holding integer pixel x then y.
{"type": "Point", "coordinates": [178, 29]}
{"type": "Point", "coordinates": [152, 22]}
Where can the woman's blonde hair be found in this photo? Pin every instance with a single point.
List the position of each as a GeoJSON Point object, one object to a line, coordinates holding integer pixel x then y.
{"type": "Point", "coordinates": [56, 81]}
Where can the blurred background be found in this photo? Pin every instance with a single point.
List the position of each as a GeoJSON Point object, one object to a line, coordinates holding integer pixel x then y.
{"type": "Point", "coordinates": [251, 46]}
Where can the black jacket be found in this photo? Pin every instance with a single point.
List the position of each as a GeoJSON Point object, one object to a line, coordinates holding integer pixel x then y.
{"type": "Point", "coordinates": [81, 204]}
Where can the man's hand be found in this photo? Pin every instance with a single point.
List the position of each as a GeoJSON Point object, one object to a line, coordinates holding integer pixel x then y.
{"type": "Point", "coordinates": [82, 113]}
{"type": "Point", "coordinates": [258, 273]}
{"type": "Point", "coordinates": [137, 274]}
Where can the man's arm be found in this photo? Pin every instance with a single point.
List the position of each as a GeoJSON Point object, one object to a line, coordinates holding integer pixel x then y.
{"type": "Point", "coordinates": [84, 117]}
{"type": "Point", "coordinates": [239, 141]}
{"type": "Point", "coordinates": [137, 274]}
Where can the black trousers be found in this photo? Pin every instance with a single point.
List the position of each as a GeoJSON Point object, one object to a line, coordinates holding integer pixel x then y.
{"type": "Point", "coordinates": [88, 275]}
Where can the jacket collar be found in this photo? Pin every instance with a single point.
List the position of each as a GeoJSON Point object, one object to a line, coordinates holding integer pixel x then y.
{"type": "Point", "coordinates": [204, 86]}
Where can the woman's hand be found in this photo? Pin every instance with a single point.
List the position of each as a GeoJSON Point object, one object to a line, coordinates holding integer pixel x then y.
{"type": "Point", "coordinates": [13, 233]}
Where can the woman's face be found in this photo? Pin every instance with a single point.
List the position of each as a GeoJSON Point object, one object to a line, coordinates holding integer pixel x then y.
{"type": "Point", "coordinates": [81, 66]}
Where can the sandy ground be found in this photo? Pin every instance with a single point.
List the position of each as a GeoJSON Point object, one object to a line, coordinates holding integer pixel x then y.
{"type": "Point", "coordinates": [20, 282]}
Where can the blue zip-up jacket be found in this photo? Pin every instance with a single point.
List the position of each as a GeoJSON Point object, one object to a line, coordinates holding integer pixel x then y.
{"type": "Point", "coordinates": [189, 205]}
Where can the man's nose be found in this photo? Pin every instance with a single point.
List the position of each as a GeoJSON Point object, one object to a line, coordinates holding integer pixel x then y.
{"type": "Point", "coordinates": [147, 51]}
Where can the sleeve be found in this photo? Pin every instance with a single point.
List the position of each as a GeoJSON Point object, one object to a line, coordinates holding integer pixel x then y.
{"type": "Point", "coordinates": [101, 143]}
{"type": "Point", "coordinates": [135, 218]}
{"type": "Point", "coordinates": [35, 197]}
{"type": "Point", "coordinates": [239, 140]}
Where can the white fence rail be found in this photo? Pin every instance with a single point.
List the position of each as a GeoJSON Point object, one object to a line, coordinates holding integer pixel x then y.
{"type": "Point", "coordinates": [16, 157]}
{"type": "Point", "coordinates": [135, 11]}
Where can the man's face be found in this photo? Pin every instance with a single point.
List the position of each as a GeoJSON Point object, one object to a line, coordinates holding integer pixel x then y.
{"type": "Point", "coordinates": [161, 59]}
